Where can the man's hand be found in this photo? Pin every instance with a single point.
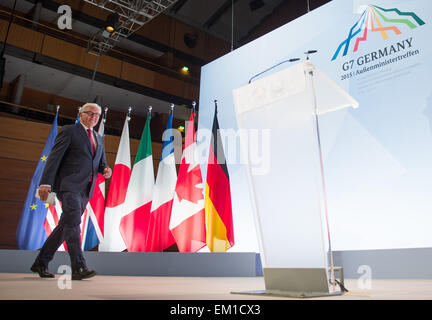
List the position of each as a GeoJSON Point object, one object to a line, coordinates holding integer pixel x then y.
{"type": "Point", "coordinates": [107, 173]}
{"type": "Point", "coordinates": [43, 192]}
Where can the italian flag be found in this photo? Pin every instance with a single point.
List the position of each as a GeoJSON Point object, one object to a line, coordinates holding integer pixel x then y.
{"type": "Point", "coordinates": [134, 224]}
{"type": "Point", "coordinates": [114, 208]}
{"type": "Point", "coordinates": [187, 222]}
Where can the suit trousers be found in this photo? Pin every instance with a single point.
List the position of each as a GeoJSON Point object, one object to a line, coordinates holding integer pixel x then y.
{"type": "Point", "coordinates": [68, 230]}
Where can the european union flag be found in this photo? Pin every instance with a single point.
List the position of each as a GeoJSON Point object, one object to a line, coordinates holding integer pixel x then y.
{"type": "Point", "coordinates": [30, 234]}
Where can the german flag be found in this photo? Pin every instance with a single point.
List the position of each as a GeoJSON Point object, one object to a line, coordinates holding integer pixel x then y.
{"type": "Point", "coordinates": [218, 210]}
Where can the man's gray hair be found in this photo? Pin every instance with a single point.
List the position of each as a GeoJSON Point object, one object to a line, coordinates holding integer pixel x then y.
{"type": "Point", "coordinates": [89, 104]}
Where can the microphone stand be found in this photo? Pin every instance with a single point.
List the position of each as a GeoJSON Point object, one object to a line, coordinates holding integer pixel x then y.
{"type": "Point", "coordinates": [332, 280]}
{"type": "Point", "coordinates": [289, 60]}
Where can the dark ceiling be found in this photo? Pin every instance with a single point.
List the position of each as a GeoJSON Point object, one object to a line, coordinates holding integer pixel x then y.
{"type": "Point", "coordinates": [230, 20]}
{"type": "Point", "coordinates": [239, 21]}
{"type": "Point", "coordinates": [235, 21]}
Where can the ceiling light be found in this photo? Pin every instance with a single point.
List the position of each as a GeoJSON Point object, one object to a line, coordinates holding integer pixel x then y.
{"type": "Point", "coordinates": [111, 22]}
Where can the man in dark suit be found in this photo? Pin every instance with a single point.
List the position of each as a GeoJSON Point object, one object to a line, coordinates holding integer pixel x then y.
{"type": "Point", "coordinates": [71, 170]}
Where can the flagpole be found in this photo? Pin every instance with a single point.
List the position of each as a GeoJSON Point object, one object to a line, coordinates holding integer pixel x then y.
{"type": "Point", "coordinates": [215, 136]}
{"type": "Point", "coordinates": [215, 106]}
{"type": "Point", "coordinates": [193, 107]}
{"type": "Point", "coordinates": [105, 115]}
{"type": "Point", "coordinates": [101, 129]}
{"type": "Point", "coordinates": [129, 113]}
{"type": "Point", "coordinates": [77, 119]}
{"type": "Point", "coordinates": [57, 111]}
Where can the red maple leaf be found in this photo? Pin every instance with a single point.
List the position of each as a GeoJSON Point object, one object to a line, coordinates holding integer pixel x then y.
{"type": "Point", "coordinates": [187, 183]}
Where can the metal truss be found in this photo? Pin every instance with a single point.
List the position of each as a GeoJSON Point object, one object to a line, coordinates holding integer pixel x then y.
{"type": "Point", "coordinates": [133, 14]}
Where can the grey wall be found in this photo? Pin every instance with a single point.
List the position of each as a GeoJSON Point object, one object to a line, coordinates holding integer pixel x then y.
{"type": "Point", "coordinates": [387, 264]}
{"type": "Point", "coordinates": [143, 263]}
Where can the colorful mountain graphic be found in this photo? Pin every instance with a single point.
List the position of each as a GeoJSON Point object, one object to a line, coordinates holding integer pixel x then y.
{"type": "Point", "coordinates": [377, 19]}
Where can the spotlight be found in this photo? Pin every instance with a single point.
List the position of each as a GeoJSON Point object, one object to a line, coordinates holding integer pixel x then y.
{"type": "Point", "coordinates": [190, 40]}
{"type": "Point", "coordinates": [256, 4]}
{"type": "Point", "coordinates": [185, 69]}
{"type": "Point", "coordinates": [111, 22]}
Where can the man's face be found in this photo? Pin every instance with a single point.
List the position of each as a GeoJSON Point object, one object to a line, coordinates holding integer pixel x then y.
{"type": "Point", "coordinates": [90, 116]}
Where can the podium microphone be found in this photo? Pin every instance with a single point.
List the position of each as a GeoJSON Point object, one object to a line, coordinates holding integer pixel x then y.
{"type": "Point", "coordinates": [289, 60]}
{"type": "Point", "coordinates": [307, 53]}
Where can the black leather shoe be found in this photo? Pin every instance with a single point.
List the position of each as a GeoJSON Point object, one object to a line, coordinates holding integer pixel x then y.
{"type": "Point", "coordinates": [83, 273]}
{"type": "Point", "coordinates": [42, 270]}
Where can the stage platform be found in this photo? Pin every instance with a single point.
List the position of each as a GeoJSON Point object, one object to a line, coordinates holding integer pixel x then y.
{"type": "Point", "coordinates": [415, 263]}
{"type": "Point", "coordinates": [24, 286]}
{"type": "Point", "coordinates": [172, 264]}
{"type": "Point", "coordinates": [394, 274]}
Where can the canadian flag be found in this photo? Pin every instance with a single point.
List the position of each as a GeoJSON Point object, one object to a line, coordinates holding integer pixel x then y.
{"type": "Point", "coordinates": [187, 222]}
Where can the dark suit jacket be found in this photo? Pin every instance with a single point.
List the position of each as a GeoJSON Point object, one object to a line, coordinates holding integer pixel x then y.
{"type": "Point", "coordinates": [71, 163]}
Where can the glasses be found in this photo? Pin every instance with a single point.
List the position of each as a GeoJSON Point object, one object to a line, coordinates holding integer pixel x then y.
{"type": "Point", "coordinates": [92, 114]}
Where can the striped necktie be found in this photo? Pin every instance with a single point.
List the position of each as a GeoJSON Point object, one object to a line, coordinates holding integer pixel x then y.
{"type": "Point", "coordinates": [89, 131]}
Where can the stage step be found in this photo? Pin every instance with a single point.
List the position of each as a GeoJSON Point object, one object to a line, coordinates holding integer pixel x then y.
{"type": "Point", "coordinates": [175, 264]}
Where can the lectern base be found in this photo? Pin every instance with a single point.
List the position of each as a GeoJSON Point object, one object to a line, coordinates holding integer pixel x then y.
{"type": "Point", "coordinates": [287, 294]}
{"type": "Point", "coordinates": [297, 283]}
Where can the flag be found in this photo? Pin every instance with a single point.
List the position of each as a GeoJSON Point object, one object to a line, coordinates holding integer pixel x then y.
{"type": "Point", "coordinates": [54, 213]}
{"type": "Point", "coordinates": [52, 219]}
{"type": "Point", "coordinates": [30, 234]}
{"type": "Point", "coordinates": [92, 227]}
{"type": "Point", "coordinates": [93, 224]}
{"type": "Point", "coordinates": [159, 236]}
{"type": "Point", "coordinates": [134, 225]}
{"type": "Point", "coordinates": [218, 211]}
{"type": "Point", "coordinates": [187, 222]}
{"type": "Point", "coordinates": [77, 119]}
{"type": "Point", "coordinates": [114, 208]}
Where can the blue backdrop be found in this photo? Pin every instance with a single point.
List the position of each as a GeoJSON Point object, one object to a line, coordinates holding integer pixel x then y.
{"type": "Point", "coordinates": [378, 157]}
